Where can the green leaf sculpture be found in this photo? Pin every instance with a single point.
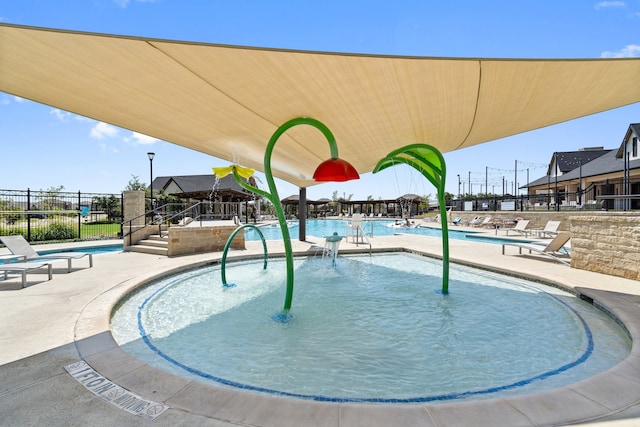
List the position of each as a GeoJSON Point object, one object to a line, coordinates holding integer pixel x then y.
{"type": "Point", "coordinates": [430, 163]}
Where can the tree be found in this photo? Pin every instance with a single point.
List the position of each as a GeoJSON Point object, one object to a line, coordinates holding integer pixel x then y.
{"type": "Point", "coordinates": [135, 184]}
{"type": "Point", "coordinates": [49, 199]}
{"type": "Point", "coordinates": [424, 203]}
{"type": "Point", "coordinates": [111, 205]}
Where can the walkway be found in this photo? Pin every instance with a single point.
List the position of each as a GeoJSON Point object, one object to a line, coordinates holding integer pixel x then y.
{"type": "Point", "coordinates": [52, 324]}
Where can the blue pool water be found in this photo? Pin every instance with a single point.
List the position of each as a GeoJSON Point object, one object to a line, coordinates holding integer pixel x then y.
{"type": "Point", "coordinates": [87, 249]}
{"type": "Point", "coordinates": [322, 228]}
{"type": "Point", "coordinates": [372, 329]}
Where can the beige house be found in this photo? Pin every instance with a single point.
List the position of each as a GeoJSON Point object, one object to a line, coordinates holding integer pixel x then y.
{"type": "Point", "coordinates": [592, 178]}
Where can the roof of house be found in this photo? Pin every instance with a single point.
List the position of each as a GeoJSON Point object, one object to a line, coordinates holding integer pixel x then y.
{"type": "Point", "coordinates": [589, 163]}
{"type": "Point", "coordinates": [570, 160]}
{"type": "Point", "coordinates": [604, 164]}
{"type": "Point", "coordinates": [199, 185]}
{"type": "Point", "coordinates": [633, 128]}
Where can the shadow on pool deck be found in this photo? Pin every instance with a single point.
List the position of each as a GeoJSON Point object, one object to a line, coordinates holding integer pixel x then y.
{"type": "Point", "coordinates": [52, 324]}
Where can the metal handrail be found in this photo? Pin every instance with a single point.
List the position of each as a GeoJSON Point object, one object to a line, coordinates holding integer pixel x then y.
{"type": "Point", "coordinates": [154, 213]}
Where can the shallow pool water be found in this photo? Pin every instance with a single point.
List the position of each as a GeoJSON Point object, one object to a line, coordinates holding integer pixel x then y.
{"type": "Point", "coordinates": [373, 329]}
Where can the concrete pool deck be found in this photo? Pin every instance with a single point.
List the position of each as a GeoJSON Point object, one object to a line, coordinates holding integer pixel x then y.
{"type": "Point", "coordinates": [50, 325]}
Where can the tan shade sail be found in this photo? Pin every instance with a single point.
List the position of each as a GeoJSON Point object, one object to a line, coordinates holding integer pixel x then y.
{"type": "Point", "coordinates": [227, 101]}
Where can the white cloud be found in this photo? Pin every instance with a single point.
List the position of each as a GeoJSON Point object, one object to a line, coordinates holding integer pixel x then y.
{"type": "Point", "coordinates": [9, 99]}
{"type": "Point", "coordinates": [605, 4]}
{"type": "Point", "coordinates": [141, 139]}
{"type": "Point", "coordinates": [60, 114]}
{"type": "Point", "coordinates": [630, 51]}
{"type": "Point", "coordinates": [103, 130]}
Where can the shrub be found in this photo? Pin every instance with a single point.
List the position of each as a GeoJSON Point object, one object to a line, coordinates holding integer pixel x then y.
{"type": "Point", "coordinates": [54, 231]}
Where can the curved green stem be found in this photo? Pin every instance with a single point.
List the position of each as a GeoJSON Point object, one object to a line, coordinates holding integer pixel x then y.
{"type": "Point", "coordinates": [228, 244]}
{"type": "Point", "coordinates": [273, 197]}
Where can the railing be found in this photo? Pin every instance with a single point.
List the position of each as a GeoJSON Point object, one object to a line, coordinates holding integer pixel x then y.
{"type": "Point", "coordinates": [54, 215]}
{"type": "Point", "coordinates": [538, 202]}
{"type": "Point", "coordinates": [166, 215]}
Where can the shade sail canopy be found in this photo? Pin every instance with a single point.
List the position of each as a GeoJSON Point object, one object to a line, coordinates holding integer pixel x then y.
{"type": "Point", "coordinates": [227, 101]}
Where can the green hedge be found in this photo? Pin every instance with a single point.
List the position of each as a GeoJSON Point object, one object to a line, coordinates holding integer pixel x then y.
{"type": "Point", "coordinates": [55, 231]}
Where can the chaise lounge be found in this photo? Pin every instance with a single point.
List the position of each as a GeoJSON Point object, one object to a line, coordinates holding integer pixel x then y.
{"type": "Point", "coordinates": [521, 227]}
{"type": "Point", "coordinates": [23, 268]}
{"type": "Point", "coordinates": [17, 245]}
{"type": "Point", "coordinates": [552, 250]}
{"type": "Point", "coordinates": [549, 230]}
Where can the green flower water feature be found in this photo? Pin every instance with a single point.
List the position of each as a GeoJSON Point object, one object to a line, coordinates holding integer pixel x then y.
{"type": "Point", "coordinates": [333, 169]}
{"type": "Point", "coordinates": [430, 163]}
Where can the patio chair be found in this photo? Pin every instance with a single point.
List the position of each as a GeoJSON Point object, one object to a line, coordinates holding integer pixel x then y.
{"type": "Point", "coordinates": [521, 228]}
{"type": "Point", "coordinates": [474, 221]}
{"type": "Point", "coordinates": [486, 222]}
{"type": "Point", "coordinates": [552, 250]}
{"type": "Point", "coordinates": [549, 230]}
{"type": "Point", "coordinates": [23, 268]}
{"type": "Point", "coordinates": [17, 245]}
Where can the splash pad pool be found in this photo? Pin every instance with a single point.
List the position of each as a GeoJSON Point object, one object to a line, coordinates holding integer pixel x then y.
{"type": "Point", "coordinates": [383, 330]}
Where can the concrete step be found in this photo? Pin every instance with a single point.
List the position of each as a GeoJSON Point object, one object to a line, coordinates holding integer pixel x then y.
{"type": "Point", "coordinates": [164, 236]}
{"type": "Point", "coordinates": [156, 242]}
{"type": "Point", "coordinates": [146, 249]}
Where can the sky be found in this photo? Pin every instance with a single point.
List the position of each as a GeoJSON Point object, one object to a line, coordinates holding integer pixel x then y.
{"type": "Point", "coordinates": [50, 148]}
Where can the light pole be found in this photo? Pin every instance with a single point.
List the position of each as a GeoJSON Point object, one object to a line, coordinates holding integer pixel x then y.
{"type": "Point", "coordinates": [151, 156]}
{"type": "Point", "coordinates": [458, 186]}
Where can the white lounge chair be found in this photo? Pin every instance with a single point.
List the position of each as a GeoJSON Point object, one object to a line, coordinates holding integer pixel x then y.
{"type": "Point", "coordinates": [521, 228]}
{"type": "Point", "coordinates": [23, 268]}
{"type": "Point", "coordinates": [549, 230]}
{"type": "Point", "coordinates": [486, 222]}
{"type": "Point", "coordinates": [552, 250]}
{"type": "Point", "coordinates": [17, 245]}
{"type": "Point", "coordinates": [475, 221]}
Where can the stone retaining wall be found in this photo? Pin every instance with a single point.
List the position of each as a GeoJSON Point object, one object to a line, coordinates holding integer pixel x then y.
{"type": "Point", "coordinates": [537, 219]}
{"type": "Point", "coordinates": [197, 240]}
{"type": "Point", "coordinates": [608, 244]}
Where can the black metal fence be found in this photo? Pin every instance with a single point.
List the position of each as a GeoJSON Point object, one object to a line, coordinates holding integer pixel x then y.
{"type": "Point", "coordinates": [547, 202]}
{"type": "Point", "coordinates": [60, 216]}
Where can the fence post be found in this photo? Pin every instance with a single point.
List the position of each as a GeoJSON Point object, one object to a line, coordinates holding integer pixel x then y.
{"type": "Point", "coordinates": [122, 215]}
{"type": "Point", "coordinates": [28, 216]}
{"type": "Point", "coordinates": [79, 218]}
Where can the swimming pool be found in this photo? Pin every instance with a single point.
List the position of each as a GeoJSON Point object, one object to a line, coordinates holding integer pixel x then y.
{"type": "Point", "coordinates": [322, 228]}
{"type": "Point", "coordinates": [373, 329]}
{"type": "Point", "coordinates": [98, 249]}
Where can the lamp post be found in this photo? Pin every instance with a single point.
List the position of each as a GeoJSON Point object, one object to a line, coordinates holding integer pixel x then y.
{"type": "Point", "coordinates": [151, 156]}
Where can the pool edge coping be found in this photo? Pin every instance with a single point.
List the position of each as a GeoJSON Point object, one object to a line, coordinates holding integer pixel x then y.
{"type": "Point", "coordinates": [96, 346]}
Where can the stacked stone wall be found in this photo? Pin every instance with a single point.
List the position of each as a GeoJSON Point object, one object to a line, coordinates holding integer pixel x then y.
{"type": "Point", "coordinates": [134, 220]}
{"type": "Point", "coordinates": [537, 219]}
{"type": "Point", "coordinates": [197, 240]}
{"type": "Point", "coordinates": [608, 244]}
